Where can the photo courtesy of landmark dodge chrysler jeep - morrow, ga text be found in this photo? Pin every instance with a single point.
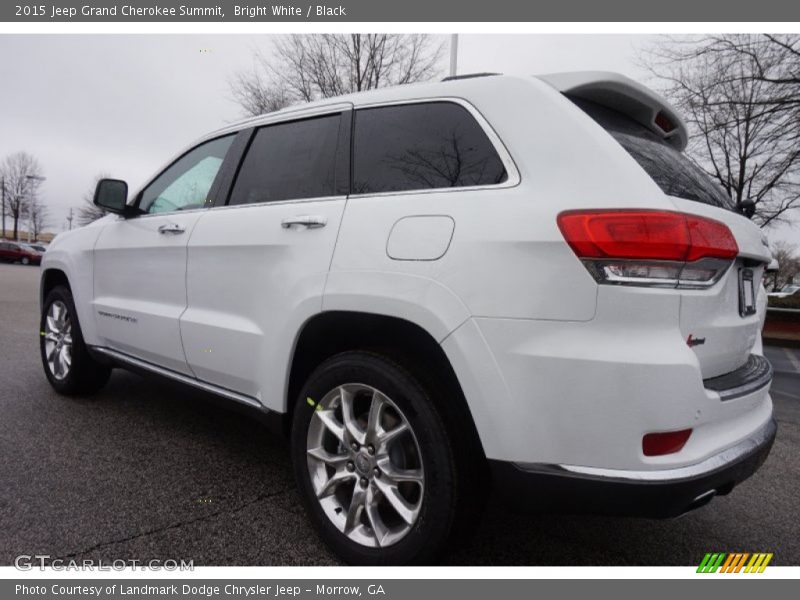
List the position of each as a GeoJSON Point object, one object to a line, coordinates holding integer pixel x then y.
{"type": "Point", "coordinates": [490, 282]}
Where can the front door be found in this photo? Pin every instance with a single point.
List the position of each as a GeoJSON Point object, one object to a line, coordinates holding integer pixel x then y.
{"type": "Point", "coordinates": [257, 266]}
{"type": "Point", "coordinates": [140, 262]}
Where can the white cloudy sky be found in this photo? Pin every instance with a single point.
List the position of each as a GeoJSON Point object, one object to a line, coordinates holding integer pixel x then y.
{"type": "Point", "coordinates": [84, 104]}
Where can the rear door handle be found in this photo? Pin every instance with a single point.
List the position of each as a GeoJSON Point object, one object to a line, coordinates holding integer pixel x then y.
{"type": "Point", "coordinates": [171, 228]}
{"type": "Point", "coordinates": [307, 221]}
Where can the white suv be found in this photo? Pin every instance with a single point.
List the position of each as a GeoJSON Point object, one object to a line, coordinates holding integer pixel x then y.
{"type": "Point", "coordinates": [435, 287]}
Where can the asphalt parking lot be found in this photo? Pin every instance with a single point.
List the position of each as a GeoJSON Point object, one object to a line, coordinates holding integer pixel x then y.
{"type": "Point", "coordinates": [145, 470]}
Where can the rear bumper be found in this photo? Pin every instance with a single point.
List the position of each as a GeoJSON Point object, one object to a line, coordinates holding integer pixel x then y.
{"type": "Point", "coordinates": [654, 493]}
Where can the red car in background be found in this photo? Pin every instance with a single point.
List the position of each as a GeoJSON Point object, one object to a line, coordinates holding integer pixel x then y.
{"type": "Point", "coordinates": [16, 252]}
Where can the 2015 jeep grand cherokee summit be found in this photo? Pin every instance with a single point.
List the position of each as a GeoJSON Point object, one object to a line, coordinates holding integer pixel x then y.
{"type": "Point", "coordinates": [435, 286]}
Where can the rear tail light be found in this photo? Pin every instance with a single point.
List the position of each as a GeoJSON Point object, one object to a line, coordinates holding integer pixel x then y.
{"type": "Point", "coordinates": [669, 442]}
{"type": "Point", "coordinates": [649, 247]}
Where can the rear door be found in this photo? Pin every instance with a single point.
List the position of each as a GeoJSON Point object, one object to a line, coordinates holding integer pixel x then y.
{"type": "Point", "coordinates": [140, 262]}
{"type": "Point", "coordinates": [257, 264]}
{"type": "Point", "coordinates": [722, 324]}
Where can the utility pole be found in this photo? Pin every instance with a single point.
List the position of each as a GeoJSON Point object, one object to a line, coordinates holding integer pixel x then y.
{"type": "Point", "coordinates": [69, 218]}
{"type": "Point", "coordinates": [453, 55]}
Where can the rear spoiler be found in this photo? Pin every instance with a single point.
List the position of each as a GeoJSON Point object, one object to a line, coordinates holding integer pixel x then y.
{"type": "Point", "coordinates": [627, 96]}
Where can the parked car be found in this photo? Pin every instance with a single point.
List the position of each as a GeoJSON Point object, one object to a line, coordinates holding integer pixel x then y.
{"type": "Point", "coordinates": [40, 248]}
{"type": "Point", "coordinates": [786, 291]}
{"type": "Point", "coordinates": [19, 252]}
{"type": "Point", "coordinates": [436, 289]}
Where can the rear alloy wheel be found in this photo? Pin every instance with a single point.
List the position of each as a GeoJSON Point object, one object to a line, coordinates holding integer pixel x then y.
{"type": "Point", "coordinates": [69, 367]}
{"type": "Point", "coordinates": [25, 260]}
{"type": "Point", "coordinates": [365, 465]}
{"type": "Point", "coordinates": [374, 462]}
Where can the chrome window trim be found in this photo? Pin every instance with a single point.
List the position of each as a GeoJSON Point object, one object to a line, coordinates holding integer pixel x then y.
{"type": "Point", "coordinates": [513, 179]}
{"type": "Point", "coordinates": [279, 202]}
{"type": "Point", "coordinates": [512, 171]}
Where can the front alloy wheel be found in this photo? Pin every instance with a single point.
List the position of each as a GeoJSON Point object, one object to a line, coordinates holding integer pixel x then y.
{"type": "Point", "coordinates": [69, 367]}
{"type": "Point", "coordinates": [58, 340]}
{"type": "Point", "coordinates": [365, 465]}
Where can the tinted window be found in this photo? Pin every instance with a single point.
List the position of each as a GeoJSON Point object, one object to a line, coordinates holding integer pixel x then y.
{"type": "Point", "coordinates": [421, 146]}
{"type": "Point", "coordinates": [186, 184]}
{"type": "Point", "coordinates": [290, 161]}
{"type": "Point", "coordinates": [672, 170]}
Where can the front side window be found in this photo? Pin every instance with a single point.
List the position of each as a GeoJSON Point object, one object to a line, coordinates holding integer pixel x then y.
{"type": "Point", "coordinates": [187, 182]}
{"type": "Point", "coordinates": [290, 161]}
{"type": "Point", "coordinates": [420, 147]}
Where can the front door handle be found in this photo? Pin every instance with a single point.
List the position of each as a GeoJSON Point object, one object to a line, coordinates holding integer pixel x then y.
{"type": "Point", "coordinates": [307, 221]}
{"type": "Point", "coordinates": [171, 228]}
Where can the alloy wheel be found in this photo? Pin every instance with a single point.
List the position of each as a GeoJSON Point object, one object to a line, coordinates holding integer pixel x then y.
{"type": "Point", "coordinates": [365, 465]}
{"type": "Point", "coordinates": [58, 340]}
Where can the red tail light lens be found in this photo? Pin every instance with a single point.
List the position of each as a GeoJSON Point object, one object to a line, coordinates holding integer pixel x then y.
{"type": "Point", "coordinates": [710, 238]}
{"type": "Point", "coordinates": [670, 442]}
{"type": "Point", "coordinates": [626, 234]}
{"type": "Point", "coordinates": [649, 247]}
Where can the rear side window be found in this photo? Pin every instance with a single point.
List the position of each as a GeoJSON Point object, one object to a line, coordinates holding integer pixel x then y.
{"type": "Point", "coordinates": [672, 170]}
{"type": "Point", "coordinates": [289, 161]}
{"type": "Point", "coordinates": [421, 147]}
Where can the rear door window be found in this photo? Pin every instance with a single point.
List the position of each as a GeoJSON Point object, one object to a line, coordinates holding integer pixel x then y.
{"type": "Point", "coordinates": [420, 147]}
{"type": "Point", "coordinates": [671, 170]}
{"type": "Point", "coordinates": [291, 161]}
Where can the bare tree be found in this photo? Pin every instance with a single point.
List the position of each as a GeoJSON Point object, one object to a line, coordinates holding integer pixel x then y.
{"type": "Point", "coordinates": [22, 176]}
{"type": "Point", "coordinates": [302, 68]}
{"type": "Point", "coordinates": [88, 211]}
{"type": "Point", "coordinates": [788, 259]}
{"type": "Point", "coordinates": [38, 215]}
{"type": "Point", "coordinates": [742, 113]}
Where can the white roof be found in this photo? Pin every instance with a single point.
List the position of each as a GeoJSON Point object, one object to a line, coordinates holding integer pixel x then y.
{"type": "Point", "coordinates": [610, 89]}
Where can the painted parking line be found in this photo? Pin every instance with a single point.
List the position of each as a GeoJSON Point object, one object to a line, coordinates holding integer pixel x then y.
{"type": "Point", "coordinates": [784, 394]}
{"type": "Point", "coordinates": [793, 359]}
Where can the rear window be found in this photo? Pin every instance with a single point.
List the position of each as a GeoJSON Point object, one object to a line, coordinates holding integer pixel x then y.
{"type": "Point", "coordinates": [672, 170]}
{"type": "Point", "coordinates": [420, 147]}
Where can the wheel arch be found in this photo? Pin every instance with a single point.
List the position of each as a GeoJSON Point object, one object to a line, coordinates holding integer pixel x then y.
{"type": "Point", "coordinates": [51, 278]}
{"type": "Point", "coordinates": [331, 332]}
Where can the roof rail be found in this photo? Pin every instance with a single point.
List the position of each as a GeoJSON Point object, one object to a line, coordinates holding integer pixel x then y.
{"type": "Point", "coordinates": [469, 76]}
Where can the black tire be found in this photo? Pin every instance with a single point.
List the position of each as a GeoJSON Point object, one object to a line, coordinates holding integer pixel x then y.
{"type": "Point", "coordinates": [85, 375]}
{"type": "Point", "coordinates": [444, 497]}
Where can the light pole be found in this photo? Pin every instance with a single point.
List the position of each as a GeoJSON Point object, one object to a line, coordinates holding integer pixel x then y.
{"type": "Point", "coordinates": [38, 178]}
{"type": "Point", "coordinates": [453, 54]}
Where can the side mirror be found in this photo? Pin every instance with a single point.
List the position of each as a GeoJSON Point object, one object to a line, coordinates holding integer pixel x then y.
{"type": "Point", "coordinates": [112, 195]}
{"type": "Point", "coordinates": [747, 207]}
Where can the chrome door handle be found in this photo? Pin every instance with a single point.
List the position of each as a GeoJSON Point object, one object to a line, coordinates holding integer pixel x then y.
{"type": "Point", "coordinates": [307, 221]}
{"type": "Point", "coordinates": [171, 228]}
